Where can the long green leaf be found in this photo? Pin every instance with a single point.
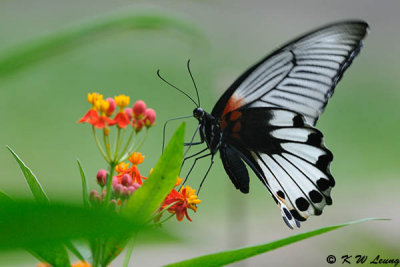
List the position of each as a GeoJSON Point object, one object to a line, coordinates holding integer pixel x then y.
{"type": "Point", "coordinates": [85, 194]}
{"type": "Point", "coordinates": [54, 254]}
{"type": "Point", "coordinates": [32, 52]}
{"type": "Point", "coordinates": [30, 178]}
{"type": "Point", "coordinates": [30, 224]}
{"type": "Point", "coordinates": [231, 256]}
{"type": "Point", "coordinates": [148, 198]}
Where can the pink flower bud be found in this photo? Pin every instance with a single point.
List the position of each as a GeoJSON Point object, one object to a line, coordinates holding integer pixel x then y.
{"type": "Point", "coordinates": [128, 112]}
{"type": "Point", "coordinates": [126, 180]}
{"type": "Point", "coordinates": [93, 194]}
{"type": "Point", "coordinates": [138, 124]}
{"type": "Point", "coordinates": [139, 108]}
{"type": "Point", "coordinates": [118, 189]}
{"type": "Point", "coordinates": [125, 192]}
{"type": "Point", "coordinates": [115, 181]}
{"type": "Point", "coordinates": [111, 107]}
{"type": "Point", "coordinates": [101, 177]}
{"type": "Point", "coordinates": [131, 189]}
{"type": "Point", "coordinates": [136, 185]}
{"type": "Point", "coordinates": [150, 117]}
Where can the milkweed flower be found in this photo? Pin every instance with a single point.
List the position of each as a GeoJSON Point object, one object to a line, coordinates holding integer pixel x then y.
{"type": "Point", "coordinates": [101, 177]}
{"type": "Point", "coordinates": [139, 108]}
{"type": "Point", "coordinates": [111, 107]}
{"type": "Point", "coordinates": [149, 117]}
{"type": "Point", "coordinates": [136, 158]}
{"type": "Point", "coordinates": [121, 119]}
{"type": "Point", "coordinates": [92, 115]}
{"type": "Point", "coordinates": [81, 264]}
{"type": "Point", "coordinates": [181, 201]}
{"type": "Point", "coordinates": [102, 121]}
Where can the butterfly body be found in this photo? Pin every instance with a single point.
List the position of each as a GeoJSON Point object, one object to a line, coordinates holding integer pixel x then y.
{"type": "Point", "coordinates": [266, 119]}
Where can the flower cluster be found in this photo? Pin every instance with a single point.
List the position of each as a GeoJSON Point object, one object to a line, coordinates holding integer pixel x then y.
{"type": "Point", "coordinates": [178, 202]}
{"type": "Point", "coordinates": [99, 115]}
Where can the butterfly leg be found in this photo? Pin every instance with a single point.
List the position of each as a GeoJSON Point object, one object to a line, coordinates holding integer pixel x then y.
{"type": "Point", "coordinates": [165, 126]}
{"type": "Point", "coordinates": [194, 163]}
{"type": "Point", "coordinates": [205, 176]}
{"type": "Point", "coordinates": [194, 155]}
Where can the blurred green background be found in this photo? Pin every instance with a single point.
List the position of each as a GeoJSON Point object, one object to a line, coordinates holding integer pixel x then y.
{"type": "Point", "coordinates": [40, 104]}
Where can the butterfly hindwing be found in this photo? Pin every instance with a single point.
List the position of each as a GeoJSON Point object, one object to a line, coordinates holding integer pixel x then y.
{"type": "Point", "coordinates": [300, 76]}
{"type": "Point", "coordinates": [286, 153]}
{"type": "Point", "coordinates": [235, 168]}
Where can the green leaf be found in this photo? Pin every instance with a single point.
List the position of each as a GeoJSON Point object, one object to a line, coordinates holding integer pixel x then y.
{"type": "Point", "coordinates": [231, 256]}
{"type": "Point", "coordinates": [54, 254]}
{"type": "Point", "coordinates": [147, 199]}
{"type": "Point", "coordinates": [31, 224]}
{"type": "Point", "coordinates": [32, 52]}
{"type": "Point", "coordinates": [30, 178]}
{"type": "Point", "coordinates": [85, 194]}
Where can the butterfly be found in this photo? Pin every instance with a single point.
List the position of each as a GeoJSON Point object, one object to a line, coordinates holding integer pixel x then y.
{"type": "Point", "coordinates": [266, 119]}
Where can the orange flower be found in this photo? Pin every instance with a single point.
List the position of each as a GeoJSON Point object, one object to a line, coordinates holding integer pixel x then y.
{"type": "Point", "coordinates": [92, 115]}
{"type": "Point", "coordinates": [81, 264]}
{"type": "Point", "coordinates": [121, 119]}
{"type": "Point", "coordinates": [43, 264]}
{"type": "Point", "coordinates": [178, 181]}
{"type": "Point", "coordinates": [136, 158]}
{"type": "Point", "coordinates": [184, 199]}
{"type": "Point", "coordinates": [102, 106]}
{"type": "Point", "coordinates": [123, 168]}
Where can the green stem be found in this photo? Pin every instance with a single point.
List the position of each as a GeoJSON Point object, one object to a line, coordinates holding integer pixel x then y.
{"type": "Point", "coordinates": [96, 260]}
{"type": "Point", "coordinates": [129, 250]}
{"type": "Point", "coordinates": [109, 184]}
{"type": "Point", "coordinates": [166, 219]}
{"type": "Point", "coordinates": [144, 139]}
{"type": "Point", "coordinates": [127, 144]}
{"type": "Point", "coordinates": [107, 145]}
{"type": "Point", "coordinates": [99, 145]}
{"type": "Point", "coordinates": [121, 140]}
{"type": "Point", "coordinates": [131, 149]}
{"type": "Point", "coordinates": [117, 143]}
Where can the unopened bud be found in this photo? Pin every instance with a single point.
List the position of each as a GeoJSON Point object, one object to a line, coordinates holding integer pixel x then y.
{"type": "Point", "coordinates": [139, 108]}
{"type": "Point", "coordinates": [111, 107]}
{"type": "Point", "coordinates": [101, 177]}
{"type": "Point", "coordinates": [126, 180]}
{"type": "Point", "coordinates": [128, 112]}
{"type": "Point", "coordinates": [150, 117]}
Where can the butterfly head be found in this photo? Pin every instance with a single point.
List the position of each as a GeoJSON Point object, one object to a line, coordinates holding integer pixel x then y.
{"type": "Point", "coordinates": [199, 113]}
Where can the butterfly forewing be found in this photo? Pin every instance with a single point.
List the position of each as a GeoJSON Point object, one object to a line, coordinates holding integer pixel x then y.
{"type": "Point", "coordinates": [300, 76]}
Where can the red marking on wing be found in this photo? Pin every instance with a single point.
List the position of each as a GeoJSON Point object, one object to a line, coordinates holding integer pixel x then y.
{"type": "Point", "coordinates": [235, 115]}
{"type": "Point", "coordinates": [224, 123]}
{"type": "Point", "coordinates": [237, 127]}
{"type": "Point", "coordinates": [233, 103]}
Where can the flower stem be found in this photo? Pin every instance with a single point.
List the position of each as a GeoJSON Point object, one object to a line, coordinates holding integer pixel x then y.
{"type": "Point", "coordinates": [129, 250]}
{"type": "Point", "coordinates": [142, 142]}
{"type": "Point", "coordinates": [109, 183]}
{"type": "Point", "coordinates": [106, 141]}
{"type": "Point", "coordinates": [127, 144]}
{"type": "Point", "coordinates": [117, 143]}
{"type": "Point", "coordinates": [99, 145]}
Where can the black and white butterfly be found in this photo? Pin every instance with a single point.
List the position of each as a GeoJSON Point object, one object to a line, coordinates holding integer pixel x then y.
{"type": "Point", "coordinates": [266, 119]}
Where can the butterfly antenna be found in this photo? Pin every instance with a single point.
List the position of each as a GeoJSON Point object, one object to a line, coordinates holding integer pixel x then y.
{"type": "Point", "coordinates": [194, 83]}
{"type": "Point", "coordinates": [159, 76]}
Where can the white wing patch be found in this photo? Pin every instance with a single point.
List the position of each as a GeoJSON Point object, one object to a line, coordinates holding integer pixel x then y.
{"type": "Point", "coordinates": [302, 76]}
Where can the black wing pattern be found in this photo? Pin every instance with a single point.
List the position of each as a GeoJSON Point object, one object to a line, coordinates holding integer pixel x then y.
{"type": "Point", "coordinates": [287, 155]}
{"type": "Point", "coordinates": [300, 76]}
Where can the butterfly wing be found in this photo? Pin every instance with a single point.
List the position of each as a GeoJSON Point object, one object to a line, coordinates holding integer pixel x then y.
{"type": "Point", "coordinates": [287, 155]}
{"type": "Point", "coordinates": [300, 76]}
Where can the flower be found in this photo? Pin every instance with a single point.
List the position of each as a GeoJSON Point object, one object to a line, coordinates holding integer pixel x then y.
{"type": "Point", "coordinates": [181, 201]}
{"type": "Point", "coordinates": [178, 181]}
{"type": "Point", "coordinates": [133, 172]}
{"type": "Point", "coordinates": [139, 108]}
{"type": "Point", "coordinates": [121, 119]}
{"type": "Point", "coordinates": [149, 117]}
{"type": "Point", "coordinates": [128, 112]}
{"type": "Point", "coordinates": [102, 106]}
{"type": "Point", "coordinates": [138, 124]}
{"type": "Point", "coordinates": [136, 158]}
{"type": "Point", "coordinates": [124, 186]}
{"type": "Point", "coordinates": [92, 115]}
{"type": "Point", "coordinates": [81, 264]}
{"type": "Point", "coordinates": [112, 106]}
{"type": "Point", "coordinates": [101, 177]}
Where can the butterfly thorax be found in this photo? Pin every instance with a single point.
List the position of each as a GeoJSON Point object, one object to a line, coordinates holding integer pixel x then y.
{"type": "Point", "coordinates": [210, 130]}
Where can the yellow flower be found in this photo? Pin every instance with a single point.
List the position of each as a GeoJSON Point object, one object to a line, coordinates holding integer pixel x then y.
{"type": "Point", "coordinates": [93, 97]}
{"type": "Point", "coordinates": [122, 167]}
{"type": "Point", "coordinates": [102, 105]}
{"type": "Point", "coordinates": [121, 101]}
